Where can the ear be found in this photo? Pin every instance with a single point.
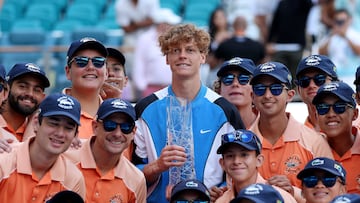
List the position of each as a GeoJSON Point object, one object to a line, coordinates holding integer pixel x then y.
{"type": "Point", "coordinates": [67, 72]}
{"type": "Point", "coordinates": [95, 125]}
{"type": "Point", "coordinates": [290, 95]}
{"type": "Point", "coordinates": [356, 113]}
{"type": "Point", "coordinates": [221, 162]}
{"type": "Point", "coordinates": [259, 160]}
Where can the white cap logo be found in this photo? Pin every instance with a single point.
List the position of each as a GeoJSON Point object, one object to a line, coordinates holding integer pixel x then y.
{"type": "Point", "coordinates": [267, 67]}
{"type": "Point", "coordinates": [32, 67]}
{"type": "Point", "coordinates": [235, 61]}
{"type": "Point", "coordinates": [65, 102]}
{"type": "Point", "coordinates": [119, 104]}
{"type": "Point", "coordinates": [87, 39]}
{"type": "Point", "coordinates": [254, 189]}
{"type": "Point", "coordinates": [312, 61]}
{"type": "Point", "coordinates": [331, 87]}
{"type": "Point", "coordinates": [191, 184]}
{"type": "Point", "coordinates": [317, 162]}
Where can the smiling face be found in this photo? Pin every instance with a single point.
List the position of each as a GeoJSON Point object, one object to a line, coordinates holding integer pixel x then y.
{"type": "Point", "coordinates": [88, 77]}
{"type": "Point", "coordinates": [320, 193]}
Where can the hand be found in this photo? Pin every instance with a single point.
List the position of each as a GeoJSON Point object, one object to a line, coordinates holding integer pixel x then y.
{"type": "Point", "coordinates": [76, 143]}
{"type": "Point", "coordinates": [216, 192]}
{"type": "Point", "coordinates": [112, 88]}
{"type": "Point", "coordinates": [171, 155]}
{"type": "Point", "coordinates": [168, 192]}
{"type": "Point", "coordinates": [283, 182]}
{"type": "Point", "coordinates": [5, 145]}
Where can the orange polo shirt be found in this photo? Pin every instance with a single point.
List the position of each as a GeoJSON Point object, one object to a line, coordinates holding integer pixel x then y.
{"type": "Point", "coordinates": [19, 184]}
{"type": "Point", "coordinates": [124, 183]}
{"type": "Point", "coordinates": [231, 193]}
{"type": "Point", "coordinates": [289, 155]}
{"type": "Point", "coordinates": [350, 161]}
{"type": "Point", "coordinates": [17, 133]}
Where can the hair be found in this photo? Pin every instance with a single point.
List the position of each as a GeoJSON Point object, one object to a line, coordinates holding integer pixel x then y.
{"type": "Point", "coordinates": [184, 33]}
{"type": "Point", "coordinates": [212, 27]}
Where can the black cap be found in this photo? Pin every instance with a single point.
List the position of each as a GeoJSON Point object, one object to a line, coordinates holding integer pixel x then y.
{"type": "Point", "coordinates": [114, 53]}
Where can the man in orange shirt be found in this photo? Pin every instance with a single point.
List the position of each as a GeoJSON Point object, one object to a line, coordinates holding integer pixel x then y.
{"type": "Point", "coordinates": [336, 108]}
{"type": "Point", "coordinates": [312, 72]}
{"type": "Point", "coordinates": [287, 145]}
{"type": "Point", "coordinates": [27, 84]}
{"type": "Point", "coordinates": [36, 170]}
{"type": "Point", "coordinates": [241, 158]}
{"type": "Point", "coordinates": [109, 175]}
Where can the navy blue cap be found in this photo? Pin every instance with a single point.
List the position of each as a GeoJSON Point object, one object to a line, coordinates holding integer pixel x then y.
{"type": "Point", "coordinates": [86, 43]}
{"type": "Point", "coordinates": [317, 61]}
{"type": "Point", "coordinates": [66, 196]}
{"type": "Point", "coordinates": [244, 138]}
{"type": "Point", "coordinates": [237, 63]}
{"type": "Point", "coordinates": [339, 89]}
{"type": "Point", "coordinates": [274, 69]}
{"type": "Point", "coordinates": [58, 104]}
{"type": "Point", "coordinates": [357, 76]}
{"type": "Point", "coordinates": [20, 69]}
{"type": "Point", "coordinates": [325, 164]}
{"type": "Point", "coordinates": [347, 198]}
{"type": "Point", "coordinates": [259, 193]}
{"type": "Point", "coordinates": [115, 105]}
{"type": "Point", "coordinates": [191, 184]}
{"type": "Point", "coordinates": [116, 54]}
{"type": "Point", "coordinates": [2, 72]}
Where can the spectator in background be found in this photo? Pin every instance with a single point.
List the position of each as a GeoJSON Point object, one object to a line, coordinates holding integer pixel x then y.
{"type": "Point", "coordinates": [263, 15]}
{"type": "Point", "coordinates": [86, 69]}
{"type": "Point", "coordinates": [312, 72]}
{"type": "Point", "coordinates": [36, 170]}
{"type": "Point", "coordinates": [185, 48]}
{"type": "Point", "coordinates": [27, 84]}
{"type": "Point", "coordinates": [336, 108]}
{"type": "Point", "coordinates": [5, 136]}
{"type": "Point", "coordinates": [151, 73]}
{"type": "Point", "coordinates": [342, 46]}
{"type": "Point", "coordinates": [357, 88]}
{"type": "Point", "coordinates": [322, 179]}
{"type": "Point", "coordinates": [190, 191]}
{"type": "Point", "coordinates": [240, 45]}
{"type": "Point", "coordinates": [233, 84]}
{"type": "Point", "coordinates": [115, 85]}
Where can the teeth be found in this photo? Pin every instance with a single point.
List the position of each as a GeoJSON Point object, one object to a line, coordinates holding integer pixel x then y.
{"type": "Point", "coordinates": [114, 142]}
{"type": "Point", "coordinates": [332, 123]}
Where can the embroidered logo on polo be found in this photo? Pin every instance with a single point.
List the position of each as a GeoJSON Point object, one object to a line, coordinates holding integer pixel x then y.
{"type": "Point", "coordinates": [116, 199]}
{"type": "Point", "coordinates": [293, 164]}
{"type": "Point", "coordinates": [119, 104]}
{"type": "Point", "coordinates": [65, 102]}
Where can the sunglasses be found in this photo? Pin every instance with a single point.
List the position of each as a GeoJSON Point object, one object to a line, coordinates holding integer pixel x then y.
{"type": "Point", "coordinates": [242, 136]}
{"type": "Point", "coordinates": [82, 61]}
{"type": "Point", "coordinates": [110, 126]}
{"type": "Point", "coordinates": [319, 80]}
{"type": "Point", "coordinates": [229, 79]}
{"type": "Point", "coordinates": [311, 181]}
{"type": "Point", "coordinates": [338, 107]}
{"type": "Point", "coordinates": [275, 89]}
{"type": "Point", "coordinates": [191, 201]}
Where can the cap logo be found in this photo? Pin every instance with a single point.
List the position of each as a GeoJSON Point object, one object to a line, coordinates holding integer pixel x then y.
{"type": "Point", "coordinates": [191, 184]}
{"type": "Point", "coordinates": [32, 67]}
{"type": "Point", "coordinates": [331, 87]}
{"type": "Point", "coordinates": [339, 168]}
{"type": "Point", "coordinates": [119, 104]}
{"type": "Point", "coordinates": [253, 190]}
{"type": "Point", "coordinates": [65, 102]}
{"type": "Point", "coordinates": [343, 200]}
{"type": "Point", "coordinates": [317, 162]}
{"type": "Point", "coordinates": [312, 61]}
{"type": "Point", "coordinates": [267, 67]}
{"type": "Point", "coordinates": [235, 61]}
{"type": "Point", "coordinates": [87, 39]}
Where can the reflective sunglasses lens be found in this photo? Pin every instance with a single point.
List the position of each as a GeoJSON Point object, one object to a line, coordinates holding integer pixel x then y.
{"type": "Point", "coordinates": [304, 82]}
{"type": "Point", "coordinates": [243, 79]}
{"type": "Point", "coordinates": [98, 62]}
{"type": "Point", "coordinates": [246, 137]}
{"type": "Point", "coordinates": [229, 137]}
{"type": "Point", "coordinates": [310, 181]}
{"type": "Point", "coordinates": [339, 108]}
{"type": "Point", "coordinates": [228, 79]}
{"type": "Point", "coordinates": [329, 181]}
{"type": "Point", "coordinates": [109, 125]}
{"type": "Point", "coordinates": [276, 89]}
{"type": "Point", "coordinates": [259, 89]}
{"type": "Point", "coordinates": [126, 128]}
{"type": "Point", "coordinates": [322, 109]}
{"type": "Point", "coordinates": [319, 80]}
{"type": "Point", "coordinates": [81, 61]}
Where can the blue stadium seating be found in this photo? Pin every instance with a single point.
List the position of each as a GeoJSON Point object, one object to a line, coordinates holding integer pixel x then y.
{"type": "Point", "coordinates": [47, 14]}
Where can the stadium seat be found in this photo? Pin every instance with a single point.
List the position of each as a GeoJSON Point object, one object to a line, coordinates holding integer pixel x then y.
{"type": "Point", "coordinates": [67, 25]}
{"type": "Point", "coordinates": [47, 14]}
{"type": "Point", "coordinates": [59, 4]}
{"type": "Point", "coordinates": [198, 13]}
{"type": "Point", "coordinates": [88, 14]}
{"type": "Point", "coordinates": [20, 5]}
{"type": "Point", "coordinates": [100, 4]}
{"type": "Point", "coordinates": [27, 25]}
{"type": "Point", "coordinates": [176, 6]}
{"type": "Point", "coordinates": [7, 17]}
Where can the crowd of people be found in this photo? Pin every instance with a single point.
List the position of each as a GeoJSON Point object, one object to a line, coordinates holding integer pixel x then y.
{"type": "Point", "coordinates": [88, 143]}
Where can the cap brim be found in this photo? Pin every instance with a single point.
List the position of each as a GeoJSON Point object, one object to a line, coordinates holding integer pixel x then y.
{"type": "Point", "coordinates": [304, 172]}
{"type": "Point", "coordinates": [108, 113]}
{"type": "Point", "coordinates": [318, 97]}
{"type": "Point", "coordinates": [93, 45]}
{"type": "Point", "coordinates": [61, 113]}
{"type": "Point", "coordinates": [254, 79]}
{"type": "Point", "coordinates": [223, 147]}
{"type": "Point", "coordinates": [227, 68]}
{"type": "Point", "coordinates": [117, 55]}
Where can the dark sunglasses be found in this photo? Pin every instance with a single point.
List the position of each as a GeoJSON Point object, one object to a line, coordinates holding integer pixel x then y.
{"type": "Point", "coordinates": [242, 136]}
{"type": "Point", "coordinates": [82, 61]}
{"type": "Point", "coordinates": [275, 89]}
{"type": "Point", "coordinates": [338, 107]}
{"type": "Point", "coordinates": [319, 80]}
{"type": "Point", "coordinates": [311, 181]}
{"type": "Point", "coordinates": [229, 79]}
{"type": "Point", "coordinates": [191, 201]}
{"type": "Point", "coordinates": [110, 125]}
